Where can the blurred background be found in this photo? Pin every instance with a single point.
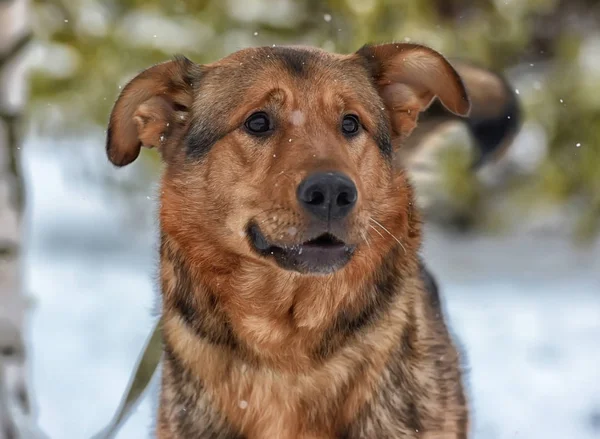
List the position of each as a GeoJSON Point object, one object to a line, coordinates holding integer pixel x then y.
{"type": "Point", "coordinates": [513, 246]}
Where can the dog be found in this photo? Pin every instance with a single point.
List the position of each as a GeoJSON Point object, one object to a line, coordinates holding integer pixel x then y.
{"type": "Point", "coordinates": [295, 303]}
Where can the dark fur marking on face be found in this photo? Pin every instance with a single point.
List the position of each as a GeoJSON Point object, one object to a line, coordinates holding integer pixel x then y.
{"type": "Point", "coordinates": [384, 139]}
{"type": "Point", "coordinates": [382, 296]}
{"type": "Point", "coordinates": [294, 59]}
{"type": "Point", "coordinates": [201, 138]}
{"type": "Point", "coordinates": [203, 133]}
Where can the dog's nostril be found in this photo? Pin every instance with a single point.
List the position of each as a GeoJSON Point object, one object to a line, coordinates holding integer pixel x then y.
{"type": "Point", "coordinates": [316, 198]}
{"type": "Point", "coordinates": [345, 199]}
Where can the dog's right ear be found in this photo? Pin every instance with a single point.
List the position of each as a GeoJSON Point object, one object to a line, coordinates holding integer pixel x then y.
{"type": "Point", "coordinates": [152, 110]}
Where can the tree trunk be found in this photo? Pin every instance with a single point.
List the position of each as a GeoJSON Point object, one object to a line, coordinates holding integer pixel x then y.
{"type": "Point", "coordinates": [16, 419]}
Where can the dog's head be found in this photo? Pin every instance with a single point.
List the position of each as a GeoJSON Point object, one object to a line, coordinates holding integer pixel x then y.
{"type": "Point", "coordinates": [283, 155]}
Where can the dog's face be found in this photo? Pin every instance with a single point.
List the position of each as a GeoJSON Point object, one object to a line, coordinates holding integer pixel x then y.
{"type": "Point", "coordinates": [283, 156]}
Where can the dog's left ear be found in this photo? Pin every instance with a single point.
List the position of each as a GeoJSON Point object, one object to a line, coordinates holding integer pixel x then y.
{"type": "Point", "coordinates": [408, 78]}
{"type": "Point", "coordinates": [152, 110]}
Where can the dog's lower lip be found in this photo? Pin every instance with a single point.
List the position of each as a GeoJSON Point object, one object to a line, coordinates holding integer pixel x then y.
{"type": "Point", "coordinates": [323, 254]}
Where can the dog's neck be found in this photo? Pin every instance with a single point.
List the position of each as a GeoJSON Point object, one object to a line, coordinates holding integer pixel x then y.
{"type": "Point", "coordinates": [248, 342]}
{"type": "Point", "coordinates": [281, 319]}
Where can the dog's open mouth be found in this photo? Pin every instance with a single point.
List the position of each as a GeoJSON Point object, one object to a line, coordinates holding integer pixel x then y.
{"type": "Point", "coordinates": [322, 255]}
{"type": "Point", "coordinates": [326, 240]}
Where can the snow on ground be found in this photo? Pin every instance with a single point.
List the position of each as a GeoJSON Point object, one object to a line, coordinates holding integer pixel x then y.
{"type": "Point", "coordinates": [525, 308]}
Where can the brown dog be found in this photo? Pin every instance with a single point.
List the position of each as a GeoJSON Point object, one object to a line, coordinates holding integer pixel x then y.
{"type": "Point", "coordinates": [294, 301]}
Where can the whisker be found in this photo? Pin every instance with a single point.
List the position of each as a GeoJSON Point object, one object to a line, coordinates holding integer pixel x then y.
{"type": "Point", "coordinates": [388, 232]}
{"type": "Point", "coordinates": [366, 238]}
{"type": "Point", "coordinates": [378, 232]}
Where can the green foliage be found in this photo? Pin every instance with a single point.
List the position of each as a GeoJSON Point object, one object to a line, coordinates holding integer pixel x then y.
{"type": "Point", "coordinates": [461, 184]}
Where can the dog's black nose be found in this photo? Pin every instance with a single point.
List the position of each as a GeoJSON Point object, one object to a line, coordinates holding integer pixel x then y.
{"type": "Point", "coordinates": [327, 195]}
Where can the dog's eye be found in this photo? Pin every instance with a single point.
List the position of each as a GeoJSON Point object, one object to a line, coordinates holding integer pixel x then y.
{"type": "Point", "coordinates": [350, 124]}
{"type": "Point", "coordinates": [258, 123]}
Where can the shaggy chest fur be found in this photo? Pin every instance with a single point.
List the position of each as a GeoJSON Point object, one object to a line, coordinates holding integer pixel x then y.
{"type": "Point", "coordinates": [388, 372]}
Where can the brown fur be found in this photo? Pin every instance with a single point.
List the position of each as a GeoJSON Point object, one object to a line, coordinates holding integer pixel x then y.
{"type": "Point", "coordinates": [253, 350]}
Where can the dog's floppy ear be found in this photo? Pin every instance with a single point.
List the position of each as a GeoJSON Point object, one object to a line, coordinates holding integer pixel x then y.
{"type": "Point", "coordinates": [408, 78]}
{"type": "Point", "coordinates": [152, 110]}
